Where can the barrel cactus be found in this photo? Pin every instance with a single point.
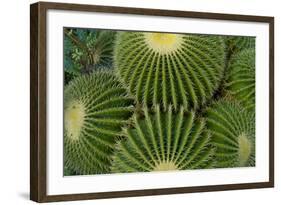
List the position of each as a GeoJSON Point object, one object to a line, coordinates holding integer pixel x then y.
{"type": "Point", "coordinates": [164, 68]}
{"type": "Point", "coordinates": [233, 130]}
{"type": "Point", "coordinates": [241, 78]}
{"type": "Point", "coordinates": [96, 106]}
{"type": "Point", "coordinates": [162, 141]}
{"type": "Point", "coordinates": [239, 43]}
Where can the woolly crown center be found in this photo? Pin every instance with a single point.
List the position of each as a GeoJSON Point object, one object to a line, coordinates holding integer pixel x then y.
{"type": "Point", "coordinates": [163, 43]}
{"type": "Point", "coordinates": [245, 147]}
{"type": "Point", "coordinates": [74, 119]}
{"type": "Point", "coordinates": [165, 166]}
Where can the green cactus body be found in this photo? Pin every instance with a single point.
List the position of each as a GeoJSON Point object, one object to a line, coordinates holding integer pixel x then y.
{"type": "Point", "coordinates": [68, 172]}
{"type": "Point", "coordinates": [170, 69]}
{"type": "Point", "coordinates": [100, 49]}
{"type": "Point", "coordinates": [95, 108]}
{"type": "Point", "coordinates": [233, 130]}
{"type": "Point", "coordinates": [162, 141]}
{"type": "Point", "coordinates": [239, 43]}
{"type": "Point", "coordinates": [241, 78]}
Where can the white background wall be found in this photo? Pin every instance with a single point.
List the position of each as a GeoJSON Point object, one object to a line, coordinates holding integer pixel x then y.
{"type": "Point", "coordinates": [14, 101]}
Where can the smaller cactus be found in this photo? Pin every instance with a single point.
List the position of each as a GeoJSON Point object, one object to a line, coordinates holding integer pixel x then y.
{"type": "Point", "coordinates": [164, 141]}
{"type": "Point", "coordinates": [233, 130]}
{"type": "Point", "coordinates": [241, 78]}
{"type": "Point", "coordinates": [96, 106]}
{"type": "Point", "coordinates": [239, 43]}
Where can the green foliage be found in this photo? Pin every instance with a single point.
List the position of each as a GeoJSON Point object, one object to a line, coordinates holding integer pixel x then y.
{"type": "Point", "coordinates": [233, 130]}
{"type": "Point", "coordinates": [96, 106]}
{"type": "Point", "coordinates": [241, 78]}
{"type": "Point", "coordinates": [163, 141]}
{"type": "Point", "coordinates": [181, 70]}
{"type": "Point", "coordinates": [86, 50]}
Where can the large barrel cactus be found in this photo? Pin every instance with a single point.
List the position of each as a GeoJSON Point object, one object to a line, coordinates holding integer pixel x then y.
{"type": "Point", "coordinates": [162, 141]}
{"type": "Point", "coordinates": [95, 108]}
{"type": "Point", "coordinates": [241, 78]}
{"type": "Point", "coordinates": [233, 130]}
{"type": "Point", "coordinates": [164, 68]}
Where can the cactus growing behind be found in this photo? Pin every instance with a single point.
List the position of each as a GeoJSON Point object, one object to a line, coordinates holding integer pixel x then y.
{"type": "Point", "coordinates": [163, 68]}
{"type": "Point", "coordinates": [96, 107]}
{"type": "Point", "coordinates": [233, 130]}
{"type": "Point", "coordinates": [162, 141]}
{"type": "Point", "coordinates": [238, 43]}
{"type": "Point", "coordinates": [86, 50]}
{"type": "Point", "coordinates": [241, 78]}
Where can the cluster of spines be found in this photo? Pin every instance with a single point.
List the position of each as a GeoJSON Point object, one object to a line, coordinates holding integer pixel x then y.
{"type": "Point", "coordinates": [162, 140]}
{"type": "Point", "coordinates": [186, 76]}
{"type": "Point", "coordinates": [106, 107]}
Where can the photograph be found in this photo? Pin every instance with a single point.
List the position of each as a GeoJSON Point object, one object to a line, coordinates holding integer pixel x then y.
{"type": "Point", "coordinates": [129, 101]}
{"type": "Point", "coordinates": [149, 101]}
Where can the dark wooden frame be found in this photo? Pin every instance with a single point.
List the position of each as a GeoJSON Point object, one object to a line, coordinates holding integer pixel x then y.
{"type": "Point", "coordinates": [38, 101]}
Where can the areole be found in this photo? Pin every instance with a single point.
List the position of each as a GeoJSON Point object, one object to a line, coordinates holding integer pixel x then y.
{"type": "Point", "coordinates": [163, 43]}
{"type": "Point", "coordinates": [74, 118]}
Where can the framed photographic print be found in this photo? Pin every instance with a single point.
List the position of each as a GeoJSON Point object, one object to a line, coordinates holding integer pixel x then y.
{"type": "Point", "coordinates": [134, 102]}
